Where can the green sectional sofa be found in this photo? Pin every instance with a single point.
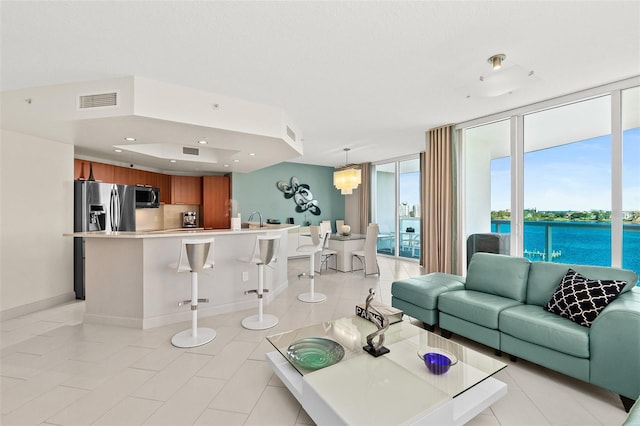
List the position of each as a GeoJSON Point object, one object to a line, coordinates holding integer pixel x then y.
{"type": "Point", "coordinates": [501, 303]}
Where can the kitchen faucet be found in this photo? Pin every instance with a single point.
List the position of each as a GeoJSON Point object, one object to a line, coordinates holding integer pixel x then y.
{"type": "Point", "coordinates": [251, 217]}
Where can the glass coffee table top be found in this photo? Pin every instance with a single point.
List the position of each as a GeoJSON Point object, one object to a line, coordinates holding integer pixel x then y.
{"type": "Point", "coordinates": [335, 347]}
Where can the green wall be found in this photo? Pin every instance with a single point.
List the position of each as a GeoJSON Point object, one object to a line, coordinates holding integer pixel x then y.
{"type": "Point", "coordinates": [257, 191]}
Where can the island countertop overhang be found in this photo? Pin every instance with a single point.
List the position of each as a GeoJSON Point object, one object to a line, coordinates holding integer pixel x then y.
{"type": "Point", "coordinates": [185, 232]}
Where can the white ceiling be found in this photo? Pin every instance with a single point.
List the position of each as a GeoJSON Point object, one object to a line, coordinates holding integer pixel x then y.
{"type": "Point", "coordinates": [371, 76]}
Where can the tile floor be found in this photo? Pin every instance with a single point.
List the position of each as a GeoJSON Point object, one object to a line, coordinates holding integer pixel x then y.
{"type": "Point", "coordinates": [55, 370]}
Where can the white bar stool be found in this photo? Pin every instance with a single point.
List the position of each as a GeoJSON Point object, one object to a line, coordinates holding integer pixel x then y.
{"type": "Point", "coordinates": [199, 256]}
{"type": "Point", "coordinates": [311, 250]}
{"type": "Point", "coordinates": [264, 253]}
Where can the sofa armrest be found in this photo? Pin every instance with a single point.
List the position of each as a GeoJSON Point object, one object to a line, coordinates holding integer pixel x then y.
{"type": "Point", "coordinates": [614, 342]}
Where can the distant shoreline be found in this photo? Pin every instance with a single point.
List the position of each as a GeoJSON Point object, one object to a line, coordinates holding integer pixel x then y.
{"type": "Point", "coordinates": [591, 216]}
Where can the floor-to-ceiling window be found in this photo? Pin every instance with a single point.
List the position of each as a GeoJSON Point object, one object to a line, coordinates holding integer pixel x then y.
{"type": "Point", "coordinates": [571, 174]}
{"type": "Point", "coordinates": [567, 183]}
{"type": "Point", "coordinates": [397, 208]}
{"type": "Point", "coordinates": [631, 178]}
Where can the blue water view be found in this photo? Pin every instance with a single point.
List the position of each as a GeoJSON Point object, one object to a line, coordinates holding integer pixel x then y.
{"type": "Point", "coordinates": [576, 242]}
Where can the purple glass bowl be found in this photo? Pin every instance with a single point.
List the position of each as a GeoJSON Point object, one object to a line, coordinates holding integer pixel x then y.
{"type": "Point", "coordinates": [437, 363]}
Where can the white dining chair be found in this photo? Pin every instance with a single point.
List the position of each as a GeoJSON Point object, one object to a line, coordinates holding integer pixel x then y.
{"type": "Point", "coordinates": [326, 253]}
{"type": "Point", "coordinates": [369, 256]}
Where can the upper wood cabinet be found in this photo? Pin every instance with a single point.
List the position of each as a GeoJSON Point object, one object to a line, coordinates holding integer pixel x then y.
{"type": "Point", "coordinates": [123, 175]}
{"type": "Point", "coordinates": [80, 169]}
{"type": "Point", "coordinates": [216, 202]}
{"type": "Point", "coordinates": [101, 172]}
{"type": "Point", "coordinates": [173, 189]}
{"type": "Point", "coordinates": [186, 190]}
{"type": "Point", "coordinates": [164, 183]}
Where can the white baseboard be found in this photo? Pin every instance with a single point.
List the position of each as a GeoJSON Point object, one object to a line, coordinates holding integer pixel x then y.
{"type": "Point", "coordinates": [204, 311]}
{"type": "Point", "coordinates": [39, 305]}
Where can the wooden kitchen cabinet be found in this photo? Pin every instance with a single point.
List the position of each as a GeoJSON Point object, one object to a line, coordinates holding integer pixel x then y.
{"type": "Point", "coordinates": [122, 175]}
{"type": "Point", "coordinates": [186, 190]}
{"type": "Point", "coordinates": [163, 182]}
{"type": "Point", "coordinates": [80, 169]}
{"type": "Point", "coordinates": [173, 189]}
{"type": "Point", "coordinates": [216, 202]}
{"type": "Point", "coordinates": [101, 172]}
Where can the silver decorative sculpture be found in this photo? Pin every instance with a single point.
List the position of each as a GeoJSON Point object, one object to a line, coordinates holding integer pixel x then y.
{"type": "Point", "coordinates": [301, 194]}
{"type": "Point", "coordinates": [382, 322]}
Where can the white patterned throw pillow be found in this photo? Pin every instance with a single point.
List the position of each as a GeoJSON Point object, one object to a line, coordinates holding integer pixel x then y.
{"type": "Point", "coordinates": [581, 299]}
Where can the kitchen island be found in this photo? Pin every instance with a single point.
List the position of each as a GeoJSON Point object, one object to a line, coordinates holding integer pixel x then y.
{"type": "Point", "coordinates": [131, 278]}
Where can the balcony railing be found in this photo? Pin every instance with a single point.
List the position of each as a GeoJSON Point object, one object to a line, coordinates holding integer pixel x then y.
{"type": "Point", "coordinates": [575, 242]}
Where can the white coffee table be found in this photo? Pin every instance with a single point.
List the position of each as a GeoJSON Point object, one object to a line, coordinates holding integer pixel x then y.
{"type": "Point", "coordinates": [395, 388]}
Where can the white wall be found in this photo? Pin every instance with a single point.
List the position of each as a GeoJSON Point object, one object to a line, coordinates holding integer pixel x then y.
{"type": "Point", "coordinates": [36, 208]}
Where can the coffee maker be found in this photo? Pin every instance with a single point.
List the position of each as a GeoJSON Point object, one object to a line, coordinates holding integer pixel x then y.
{"type": "Point", "coordinates": [189, 220]}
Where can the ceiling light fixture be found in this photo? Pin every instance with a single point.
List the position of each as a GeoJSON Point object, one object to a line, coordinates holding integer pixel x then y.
{"type": "Point", "coordinates": [252, 154]}
{"type": "Point", "coordinates": [130, 139]}
{"type": "Point", "coordinates": [117, 150]}
{"type": "Point", "coordinates": [173, 161]}
{"type": "Point", "coordinates": [496, 60]}
{"type": "Point", "coordinates": [348, 177]}
{"type": "Point", "coordinates": [202, 142]}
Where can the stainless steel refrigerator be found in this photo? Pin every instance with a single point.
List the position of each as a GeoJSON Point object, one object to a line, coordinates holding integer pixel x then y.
{"type": "Point", "coordinates": [99, 207]}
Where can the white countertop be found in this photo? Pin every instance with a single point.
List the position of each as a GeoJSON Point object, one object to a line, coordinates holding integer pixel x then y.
{"type": "Point", "coordinates": [181, 232]}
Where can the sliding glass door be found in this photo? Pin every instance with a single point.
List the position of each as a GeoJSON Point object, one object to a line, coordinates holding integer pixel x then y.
{"type": "Point", "coordinates": [397, 208]}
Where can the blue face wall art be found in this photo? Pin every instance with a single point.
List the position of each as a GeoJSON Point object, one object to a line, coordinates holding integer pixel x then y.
{"type": "Point", "coordinates": [301, 195]}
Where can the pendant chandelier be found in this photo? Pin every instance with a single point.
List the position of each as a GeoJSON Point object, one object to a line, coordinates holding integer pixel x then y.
{"type": "Point", "coordinates": [347, 178]}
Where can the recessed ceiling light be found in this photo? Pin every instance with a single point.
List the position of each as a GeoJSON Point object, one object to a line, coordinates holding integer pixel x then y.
{"type": "Point", "coordinates": [226, 165]}
{"type": "Point", "coordinates": [117, 150]}
{"type": "Point", "coordinates": [202, 142]}
{"type": "Point", "coordinates": [172, 161]}
{"type": "Point", "coordinates": [130, 139]}
{"type": "Point", "coordinates": [252, 154]}
{"type": "Point", "coordinates": [496, 60]}
{"type": "Point", "coordinates": [236, 161]}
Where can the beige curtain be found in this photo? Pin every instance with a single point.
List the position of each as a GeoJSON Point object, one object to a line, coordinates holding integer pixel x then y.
{"type": "Point", "coordinates": [438, 241]}
{"type": "Point", "coordinates": [364, 194]}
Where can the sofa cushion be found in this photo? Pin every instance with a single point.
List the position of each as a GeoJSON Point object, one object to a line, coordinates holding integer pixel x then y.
{"type": "Point", "coordinates": [533, 324]}
{"type": "Point", "coordinates": [473, 306]}
{"type": "Point", "coordinates": [424, 290]}
{"type": "Point", "coordinates": [581, 299]}
{"type": "Point", "coordinates": [544, 278]}
{"type": "Point", "coordinates": [499, 275]}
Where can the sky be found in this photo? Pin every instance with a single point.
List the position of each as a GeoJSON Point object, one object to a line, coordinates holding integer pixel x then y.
{"type": "Point", "coordinates": [575, 176]}
{"type": "Point", "coordinates": [410, 188]}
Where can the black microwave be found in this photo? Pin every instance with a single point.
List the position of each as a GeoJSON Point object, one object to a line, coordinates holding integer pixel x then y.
{"type": "Point", "coordinates": [147, 197]}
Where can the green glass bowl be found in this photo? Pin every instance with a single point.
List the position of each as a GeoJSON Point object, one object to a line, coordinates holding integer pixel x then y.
{"type": "Point", "coordinates": [314, 353]}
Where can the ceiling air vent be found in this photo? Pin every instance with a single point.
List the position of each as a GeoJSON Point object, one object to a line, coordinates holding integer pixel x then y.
{"type": "Point", "coordinates": [190, 151]}
{"type": "Point", "coordinates": [291, 133]}
{"type": "Point", "coordinates": [99, 100]}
